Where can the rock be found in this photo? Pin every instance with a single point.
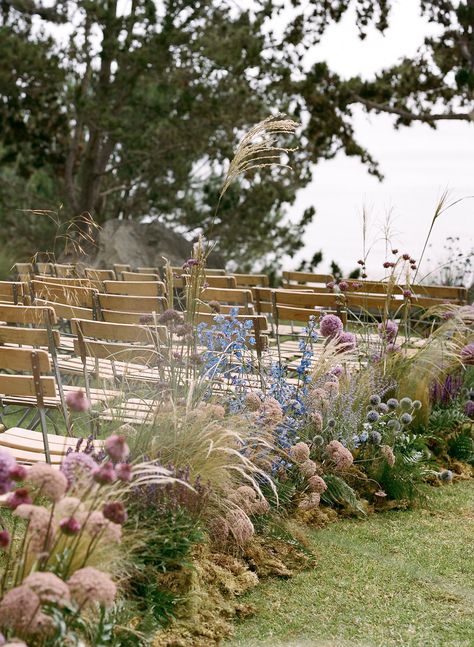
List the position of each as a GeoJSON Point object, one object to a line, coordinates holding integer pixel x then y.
{"type": "Point", "coordinates": [139, 245]}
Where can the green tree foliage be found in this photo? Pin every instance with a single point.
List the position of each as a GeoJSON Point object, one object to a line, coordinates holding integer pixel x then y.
{"type": "Point", "coordinates": [133, 109]}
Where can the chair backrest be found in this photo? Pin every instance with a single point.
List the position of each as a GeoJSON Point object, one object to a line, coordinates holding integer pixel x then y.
{"type": "Point", "coordinates": [119, 268]}
{"type": "Point", "coordinates": [230, 296]}
{"type": "Point", "coordinates": [140, 276]}
{"type": "Point", "coordinates": [24, 271]}
{"type": "Point", "coordinates": [289, 279]}
{"type": "Point", "coordinates": [82, 297]}
{"type": "Point", "coordinates": [24, 315]}
{"type": "Point", "coordinates": [96, 274]}
{"type": "Point", "coordinates": [35, 384]}
{"type": "Point", "coordinates": [148, 270]}
{"type": "Point", "coordinates": [11, 292]}
{"type": "Point", "coordinates": [252, 280]}
{"type": "Point", "coordinates": [117, 342]}
{"type": "Point", "coordinates": [293, 306]}
{"type": "Point", "coordinates": [27, 446]}
{"type": "Point", "coordinates": [71, 282]}
{"type": "Point", "coordinates": [46, 269]}
{"type": "Point", "coordinates": [135, 288]}
{"type": "Point", "coordinates": [209, 271]}
{"type": "Point", "coordinates": [65, 311]}
{"type": "Point", "coordinates": [125, 303]}
{"type": "Point", "coordinates": [65, 270]}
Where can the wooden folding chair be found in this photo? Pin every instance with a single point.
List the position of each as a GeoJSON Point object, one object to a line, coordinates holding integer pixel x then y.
{"type": "Point", "coordinates": [119, 268]}
{"type": "Point", "coordinates": [28, 446]}
{"type": "Point", "coordinates": [11, 292]}
{"type": "Point", "coordinates": [229, 296]}
{"type": "Point", "coordinates": [125, 303]}
{"type": "Point", "coordinates": [251, 280]}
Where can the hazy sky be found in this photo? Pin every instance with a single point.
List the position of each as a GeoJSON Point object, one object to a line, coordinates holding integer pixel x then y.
{"type": "Point", "coordinates": [418, 163]}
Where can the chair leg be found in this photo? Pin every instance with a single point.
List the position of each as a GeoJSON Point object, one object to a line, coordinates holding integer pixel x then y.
{"type": "Point", "coordinates": [44, 431]}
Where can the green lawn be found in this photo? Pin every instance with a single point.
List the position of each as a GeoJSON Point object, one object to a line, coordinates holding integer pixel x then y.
{"type": "Point", "coordinates": [394, 579]}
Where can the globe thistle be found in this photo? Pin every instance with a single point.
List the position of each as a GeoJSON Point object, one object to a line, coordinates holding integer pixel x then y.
{"type": "Point", "coordinates": [78, 466]}
{"type": "Point", "coordinates": [417, 405]}
{"type": "Point", "coordinates": [253, 401]}
{"type": "Point", "coordinates": [388, 330]}
{"type": "Point", "coordinates": [375, 437]}
{"type": "Point", "coordinates": [373, 416]}
{"type": "Point", "coordinates": [50, 482]}
{"type": "Point", "coordinates": [318, 441]}
{"type": "Point", "coordinates": [48, 587]}
{"type": "Point", "coordinates": [394, 425]}
{"type": "Point", "coordinates": [469, 409]}
{"type": "Point", "coordinates": [392, 404]}
{"type": "Point", "coordinates": [446, 476]}
{"type": "Point", "coordinates": [331, 423]}
{"type": "Point", "coordinates": [41, 527]}
{"type": "Point", "coordinates": [89, 586]}
{"type": "Point", "coordinates": [117, 448]}
{"type": "Point", "coordinates": [105, 474]}
{"type": "Point", "coordinates": [406, 418]}
{"type": "Point", "coordinates": [317, 484]}
{"type": "Point", "coordinates": [406, 403]}
{"type": "Point", "coordinates": [78, 401]}
{"type": "Point", "coordinates": [18, 497]}
{"type": "Point", "coordinates": [387, 453]}
{"type": "Point", "coordinates": [240, 527]}
{"type": "Point", "coordinates": [300, 452]}
{"type": "Point", "coordinates": [310, 502]}
{"type": "Point", "coordinates": [115, 511]}
{"type": "Point", "coordinates": [308, 468]}
{"type": "Point", "coordinates": [5, 539]}
{"type": "Point", "coordinates": [467, 354]}
{"type": "Point", "coordinates": [382, 408]}
{"type": "Point", "coordinates": [330, 326]}
{"type": "Point", "coordinates": [374, 400]}
{"type": "Point", "coordinates": [346, 342]}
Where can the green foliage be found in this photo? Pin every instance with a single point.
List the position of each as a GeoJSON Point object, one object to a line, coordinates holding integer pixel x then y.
{"type": "Point", "coordinates": [461, 445]}
{"type": "Point", "coordinates": [402, 481]}
{"type": "Point", "coordinates": [339, 493]}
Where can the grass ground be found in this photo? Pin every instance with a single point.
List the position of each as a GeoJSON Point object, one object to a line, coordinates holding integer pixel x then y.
{"type": "Point", "coordinates": [394, 579]}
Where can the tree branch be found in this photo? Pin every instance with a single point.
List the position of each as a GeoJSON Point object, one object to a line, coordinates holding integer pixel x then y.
{"type": "Point", "coordinates": [412, 116]}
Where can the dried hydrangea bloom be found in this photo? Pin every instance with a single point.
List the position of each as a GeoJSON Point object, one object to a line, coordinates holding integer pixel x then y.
{"type": "Point", "coordinates": [271, 410]}
{"type": "Point", "coordinates": [249, 501]}
{"type": "Point", "coordinates": [48, 587]}
{"type": "Point", "coordinates": [387, 453]}
{"type": "Point", "coordinates": [341, 456]}
{"type": "Point", "coordinates": [331, 388]}
{"type": "Point", "coordinates": [253, 401]}
{"type": "Point", "coordinates": [89, 586]}
{"type": "Point", "coordinates": [218, 529]}
{"type": "Point", "coordinates": [310, 502]}
{"type": "Point", "coordinates": [20, 611]}
{"type": "Point", "coordinates": [308, 468]}
{"type": "Point", "coordinates": [330, 326]}
{"type": "Point", "coordinates": [78, 401]}
{"type": "Point", "coordinates": [240, 527]}
{"type": "Point", "coordinates": [96, 525]}
{"type": "Point", "coordinates": [50, 482]}
{"type": "Point", "coordinates": [41, 527]}
{"type": "Point", "coordinates": [77, 467]}
{"type": "Point", "coordinates": [318, 398]}
{"type": "Point", "coordinates": [117, 448]}
{"type": "Point", "coordinates": [317, 420]}
{"type": "Point", "coordinates": [317, 484]}
{"type": "Point", "coordinates": [300, 452]}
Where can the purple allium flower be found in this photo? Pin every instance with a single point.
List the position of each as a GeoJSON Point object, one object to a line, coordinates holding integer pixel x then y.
{"type": "Point", "coordinates": [337, 370]}
{"type": "Point", "coordinates": [360, 262]}
{"type": "Point", "coordinates": [77, 465]}
{"type": "Point", "coordinates": [70, 526]}
{"type": "Point", "coordinates": [215, 306]}
{"type": "Point", "coordinates": [394, 251]}
{"type": "Point", "coordinates": [355, 285]}
{"type": "Point", "coordinates": [406, 257]}
{"type": "Point", "coordinates": [115, 512]}
{"type": "Point", "coordinates": [4, 539]}
{"type": "Point", "coordinates": [18, 473]}
{"type": "Point", "coordinates": [78, 401]}
{"type": "Point", "coordinates": [170, 317]}
{"type": "Point", "coordinates": [7, 464]}
{"type": "Point", "coordinates": [388, 330]}
{"type": "Point", "coordinates": [330, 326]}
{"type": "Point", "coordinates": [343, 286]}
{"type": "Point", "coordinates": [346, 341]}
{"type": "Point", "coordinates": [469, 409]}
{"type": "Point", "coordinates": [467, 354]}
{"type": "Point", "coordinates": [407, 294]}
{"type": "Point", "coordinates": [447, 315]}
{"type": "Point", "coordinates": [105, 474]}
{"type": "Point", "coordinates": [330, 285]}
{"type": "Point", "coordinates": [117, 448]}
{"type": "Point", "coordinates": [146, 319]}
{"type": "Point", "coordinates": [18, 497]}
{"type": "Point", "coordinates": [124, 472]}
{"type": "Point", "coordinates": [393, 348]}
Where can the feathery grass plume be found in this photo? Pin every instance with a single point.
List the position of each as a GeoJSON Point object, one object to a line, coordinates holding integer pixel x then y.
{"type": "Point", "coordinates": [258, 149]}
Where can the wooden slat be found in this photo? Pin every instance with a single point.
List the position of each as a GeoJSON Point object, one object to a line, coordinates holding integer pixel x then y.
{"type": "Point", "coordinates": [251, 280]}
{"type": "Point", "coordinates": [236, 296]}
{"type": "Point", "coordinates": [130, 303]}
{"type": "Point", "coordinates": [137, 318]}
{"type": "Point", "coordinates": [26, 314]}
{"type": "Point", "coordinates": [119, 331]}
{"type": "Point", "coordinates": [64, 311]}
{"type": "Point", "coordinates": [307, 277]}
{"type": "Point", "coordinates": [116, 351]}
{"type": "Point", "coordinates": [11, 291]}
{"type": "Point", "coordinates": [307, 299]}
{"type": "Point", "coordinates": [27, 336]}
{"type": "Point", "coordinates": [139, 276]}
{"type": "Point", "coordinates": [73, 296]}
{"type": "Point", "coordinates": [135, 288]}
{"type": "Point", "coordinates": [209, 271]}
{"type": "Point", "coordinates": [19, 359]}
{"type": "Point", "coordinates": [64, 281]}
{"type": "Point", "coordinates": [99, 275]}
{"type": "Point", "coordinates": [24, 386]}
